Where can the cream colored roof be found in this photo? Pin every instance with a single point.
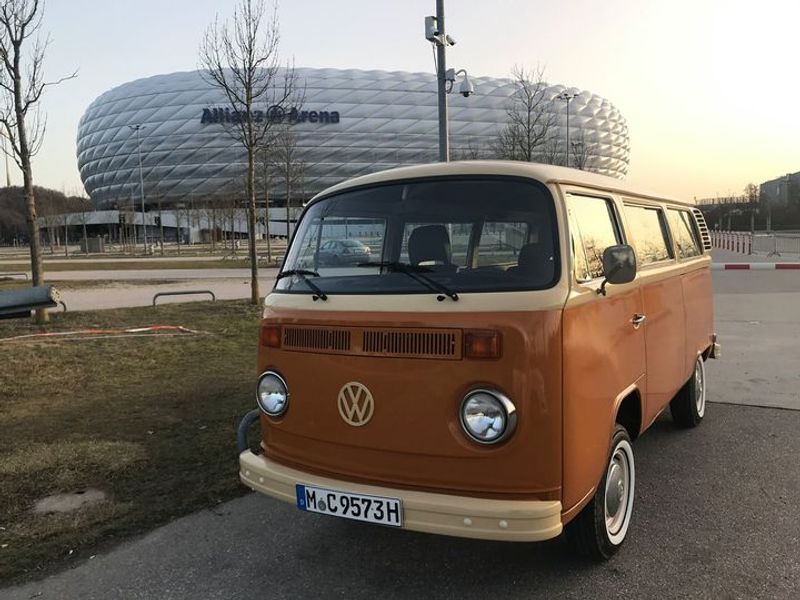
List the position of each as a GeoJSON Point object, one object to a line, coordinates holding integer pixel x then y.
{"type": "Point", "coordinates": [540, 172]}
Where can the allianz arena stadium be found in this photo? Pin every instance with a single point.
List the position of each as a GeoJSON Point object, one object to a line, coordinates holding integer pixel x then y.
{"type": "Point", "coordinates": [352, 122]}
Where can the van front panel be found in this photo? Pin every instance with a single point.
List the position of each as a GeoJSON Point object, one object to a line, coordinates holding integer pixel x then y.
{"type": "Point", "coordinates": [414, 437]}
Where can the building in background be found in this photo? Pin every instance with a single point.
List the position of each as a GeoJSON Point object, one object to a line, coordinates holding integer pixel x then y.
{"type": "Point", "coordinates": [351, 122]}
{"type": "Point", "coordinates": [782, 191]}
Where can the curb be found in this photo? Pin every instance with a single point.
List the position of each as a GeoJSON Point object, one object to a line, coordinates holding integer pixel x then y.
{"type": "Point", "coordinates": [755, 266]}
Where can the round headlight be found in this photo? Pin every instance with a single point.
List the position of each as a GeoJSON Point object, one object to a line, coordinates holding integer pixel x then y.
{"type": "Point", "coordinates": [272, 394]}
{"type": "Point", "coordinates": [487, 416]}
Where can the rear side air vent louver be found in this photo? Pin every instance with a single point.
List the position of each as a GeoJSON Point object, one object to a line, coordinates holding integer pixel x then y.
{"type": "Point", "coordinates": [701, 225]}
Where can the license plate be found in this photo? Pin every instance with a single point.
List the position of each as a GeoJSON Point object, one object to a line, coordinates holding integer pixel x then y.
{"type": "Point", "coordinates": [359, 507]}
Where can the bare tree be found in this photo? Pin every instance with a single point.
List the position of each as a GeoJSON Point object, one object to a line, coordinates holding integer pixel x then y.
{"type": "Point", "coordinates": [66, 219]}
{"type": "Point", "coordinates": [156, 191]}
{"type": "Point", "coordinates": [264, 177]}
{"type": "Point", "coordinates": [181, 215]}
{"type": "Point", "coordinates": [472, 151]}
{"type": "Point", "coordinates": [751, 192]}
{"type": "Point", "coordinates": [85, 209]}
{"type": "Point", "coordinates": [552, 152]}
{"type": "Point", "coordinates": [209, 212]}
{"type": "Point", "coordinates": [289, 167]}
{"type": "Point", "coordinates": [240, 57]}
{"type": "Point", "coordinates": [529, 120]}
{"type": "Point", "coordinates": [228, 206]}
{"type": "Point", "coordinates": [583, 151]}
{"type": "Point", "coordinates": [21, 86]}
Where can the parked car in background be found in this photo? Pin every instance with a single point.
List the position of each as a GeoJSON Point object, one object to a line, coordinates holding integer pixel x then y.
{"type": "Point", "coordinates": [343, 252]}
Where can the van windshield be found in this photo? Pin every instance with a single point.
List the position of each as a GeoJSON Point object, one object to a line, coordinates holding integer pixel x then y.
{"type": "Point", "coordinates": [464, 234]}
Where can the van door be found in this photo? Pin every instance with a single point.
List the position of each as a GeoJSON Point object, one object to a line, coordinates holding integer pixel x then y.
{"type": "Point", "coordinates": [604, 353]}
{"type": "Point", "coordinates": [662, 299]}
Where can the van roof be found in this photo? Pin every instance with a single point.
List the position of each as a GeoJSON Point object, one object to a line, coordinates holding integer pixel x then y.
{"type": "Point", "coordinates": [540, 172]}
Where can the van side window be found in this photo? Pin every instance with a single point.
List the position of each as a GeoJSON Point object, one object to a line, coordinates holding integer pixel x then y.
{"type": "Point", "coordinates": [594, 229]}
{"type": "Point", "coordinates": [649, 232]}
{"type": "Point", "coordinates": [684, 232]}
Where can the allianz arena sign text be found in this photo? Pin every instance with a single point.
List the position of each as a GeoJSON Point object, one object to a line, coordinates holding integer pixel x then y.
{"type": "Point", "coordinates": [274, 114]}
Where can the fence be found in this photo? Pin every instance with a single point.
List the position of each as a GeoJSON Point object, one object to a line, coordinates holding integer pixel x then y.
{"type": "Point", "coordinates": [769, 244]}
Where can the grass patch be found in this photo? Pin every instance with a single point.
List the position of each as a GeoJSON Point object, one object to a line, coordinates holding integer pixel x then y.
{"type": "Point", "coordinates": [150, 421]}
{"type": "Point", "coordinates": [87, 284]}
{"type": "Point", "coordinates": [143, 264]}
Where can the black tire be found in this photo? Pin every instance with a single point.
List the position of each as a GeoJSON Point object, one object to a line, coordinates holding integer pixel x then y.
{"type": "Point", "coordinates": [590, 534]}
{"type": "Point", "coordinates": [688, 407]}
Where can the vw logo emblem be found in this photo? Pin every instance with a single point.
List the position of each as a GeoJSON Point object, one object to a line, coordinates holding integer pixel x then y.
{"type": "Point", "coordinates": [356, 404]}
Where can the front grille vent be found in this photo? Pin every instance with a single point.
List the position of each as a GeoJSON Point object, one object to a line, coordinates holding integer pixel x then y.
{"type": "Point", "coordinates": [423, 344]}
{"type": "Point", "coordinates": [316, 338]}
{"type": "Point", "coordinates": [374, 341]}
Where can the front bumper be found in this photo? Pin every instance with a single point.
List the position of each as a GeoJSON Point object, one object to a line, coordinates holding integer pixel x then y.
{"type": "Point", "coordinates": [461, 516]}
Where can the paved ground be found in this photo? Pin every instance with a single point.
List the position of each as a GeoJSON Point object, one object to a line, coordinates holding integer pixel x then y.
{"type": "Point", "coordinates": [716, 510]}
{"type": "Point", "coordinates": [227, 284]}
{"type": "Point", "coordinates": [727, 256]}
{"type": "Point", "coordinates": [126, 294]}
{"type": "Point", "coordinates": [716, 517]}
{"type": "Point", "coordinates": [758, 321]}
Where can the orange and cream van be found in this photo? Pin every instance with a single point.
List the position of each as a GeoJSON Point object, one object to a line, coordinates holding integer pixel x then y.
{"type": "Point", "coordinates": [472, 348]}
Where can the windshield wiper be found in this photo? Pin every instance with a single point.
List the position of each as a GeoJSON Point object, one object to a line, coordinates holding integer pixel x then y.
{"type": "Point", "coordinates": [303, 274]}
{"type": "Point", "coordinates": [416, 273]}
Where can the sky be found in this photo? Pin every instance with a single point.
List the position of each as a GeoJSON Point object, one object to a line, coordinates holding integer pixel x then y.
{"type": "Point", "coordinates": [709, 88]}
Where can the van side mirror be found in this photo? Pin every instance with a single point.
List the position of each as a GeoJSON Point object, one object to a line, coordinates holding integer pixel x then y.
{"type": "Point", "coordinates": [619, 266]}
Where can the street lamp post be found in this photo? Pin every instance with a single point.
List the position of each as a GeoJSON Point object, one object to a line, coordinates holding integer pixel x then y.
{"type": "Point", "coordinates": [137, 128]}
{"type": "Point", "coordinates": [567, 97]}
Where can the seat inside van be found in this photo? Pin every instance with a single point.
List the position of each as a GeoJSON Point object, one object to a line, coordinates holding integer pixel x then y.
{"type": "Point", "coordinates": [534, 263]}
{"type": "Point", "coordinates": [429, 245]}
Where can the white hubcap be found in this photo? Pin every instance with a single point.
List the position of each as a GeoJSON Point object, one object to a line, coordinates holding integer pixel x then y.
{"type": "Point", "coordinates": [700, 387]}
{"type": "Point", "coordinates": [619, 492]}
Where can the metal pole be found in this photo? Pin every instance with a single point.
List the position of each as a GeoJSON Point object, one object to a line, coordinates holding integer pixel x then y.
{"type": "Point", "coordinates": [567, 97]}
{"type": "Point", "coordinates": [136, 128]}
{"type": "Point", "coordinates": [5, 153]}
{"type": "Point", "coordinates": [568, 101]}
{"type": "Point", "coordinates": [441, 67]}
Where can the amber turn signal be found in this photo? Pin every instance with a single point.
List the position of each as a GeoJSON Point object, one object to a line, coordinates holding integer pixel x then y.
{"type": "Point", "coordinates": [271, 336]}
{"type": "Point", "coordinates": [482, 343]}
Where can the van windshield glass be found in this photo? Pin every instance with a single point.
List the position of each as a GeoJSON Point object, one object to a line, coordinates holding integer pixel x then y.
{"type": "Point", "coordinates": [465, 234]}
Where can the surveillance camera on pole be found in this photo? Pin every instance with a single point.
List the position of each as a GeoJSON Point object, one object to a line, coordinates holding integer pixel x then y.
{"type": "Point", "coordinates": [466, 88]}
{"type": "Point", "coordinates": [431, 29]}
{"type": "Point", "coordinates": [435, 33]}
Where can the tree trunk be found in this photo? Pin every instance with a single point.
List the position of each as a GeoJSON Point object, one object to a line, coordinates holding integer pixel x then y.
{"type": "Point", "coordinates": [160, 227]}
{"type": "Point", "coordinates": [213, 230]}
{"type": "Point", "coordinates": [255, 296]}
{"type": "Point", "coordinates": [66, 238]}
{"type": "Point", "coordinates": [85, 234]}
{"type": "Point", "coordinates": [266, 224]}
{"type": "Point", "coordinates": [37, 271]}
{"type": "Point", "coordinates": [288, 202]}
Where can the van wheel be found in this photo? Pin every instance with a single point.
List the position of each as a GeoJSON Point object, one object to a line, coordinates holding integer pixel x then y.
{"type": "Point", "coordinates": [600, 528]}
{"type": "Point", "coordinates": [689, 406]}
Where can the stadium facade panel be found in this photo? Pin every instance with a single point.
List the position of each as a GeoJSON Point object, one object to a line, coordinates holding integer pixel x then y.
{"type": "Point", "coordinates": [351, 122]}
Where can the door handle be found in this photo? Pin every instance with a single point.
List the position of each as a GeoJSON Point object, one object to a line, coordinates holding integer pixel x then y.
{"type": "Point", "coordinates": [638, 320]}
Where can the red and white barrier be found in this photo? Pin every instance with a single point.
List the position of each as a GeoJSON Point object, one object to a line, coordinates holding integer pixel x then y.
{"type": "Point", "coordinates": [788, 266]}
